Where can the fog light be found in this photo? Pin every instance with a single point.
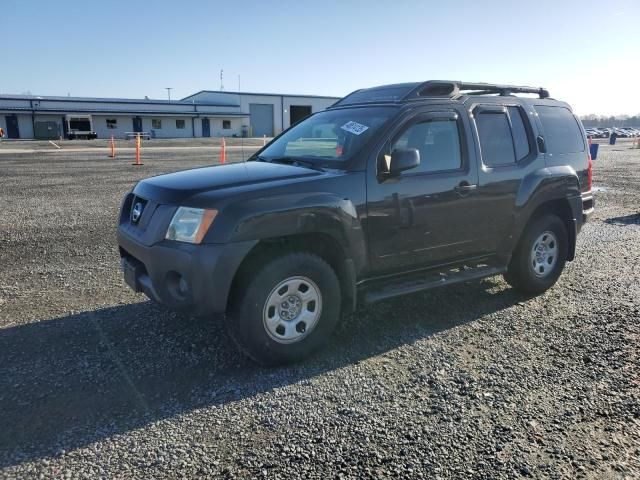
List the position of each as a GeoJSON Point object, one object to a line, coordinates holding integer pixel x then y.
{"type": "Point", "coordinates": [177, 286]}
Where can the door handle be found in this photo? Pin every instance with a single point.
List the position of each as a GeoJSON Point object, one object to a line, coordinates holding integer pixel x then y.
{"type": "Point", "coordinates": [464, 188]}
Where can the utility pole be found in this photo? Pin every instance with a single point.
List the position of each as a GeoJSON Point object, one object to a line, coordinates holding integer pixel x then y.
{"type": "Point", "coordinates": [168, 89]}
{"type": "Point", "coordinates": [221, 80]}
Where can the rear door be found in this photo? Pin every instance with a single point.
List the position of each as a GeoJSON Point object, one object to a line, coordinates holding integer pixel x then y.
{"type": "Point", "coordinates": [507, 153]}
{"type": "Point", "coordinates": [425, 216]}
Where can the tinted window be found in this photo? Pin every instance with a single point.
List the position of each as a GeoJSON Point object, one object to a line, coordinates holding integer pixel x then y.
{"type": "Point", "coordinates": [561, 131]}
{"type": "Point", "coordinates": [496, 145]}
{"type": "Point", "coordinates": [520, 139]}
{"type": "Point", "coordinates": [438, 142]}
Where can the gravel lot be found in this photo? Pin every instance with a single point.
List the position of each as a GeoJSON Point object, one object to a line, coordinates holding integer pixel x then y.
{"type": "Point", "coordinates": [472, 381]}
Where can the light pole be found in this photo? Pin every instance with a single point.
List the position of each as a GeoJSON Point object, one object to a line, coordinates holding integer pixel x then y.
{"type": "Point", "coordinates": [168, 89]}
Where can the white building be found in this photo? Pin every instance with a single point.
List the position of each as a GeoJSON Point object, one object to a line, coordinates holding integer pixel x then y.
{"type": "Point", "coordinates": [203, 114]}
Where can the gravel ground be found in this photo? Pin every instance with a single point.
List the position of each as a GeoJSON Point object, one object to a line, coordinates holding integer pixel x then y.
{"type": "Point", "coordinates": [471, 381]}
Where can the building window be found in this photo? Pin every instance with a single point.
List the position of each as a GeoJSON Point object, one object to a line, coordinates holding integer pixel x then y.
{"type": "Point", "coordinates": [226, 124]}
{"type": "Point", "coordinates": [156, 123]}
{"type": "Point", "coordinates": [112, 123]}
{"type": "Point", "coordinates": [180, 124]}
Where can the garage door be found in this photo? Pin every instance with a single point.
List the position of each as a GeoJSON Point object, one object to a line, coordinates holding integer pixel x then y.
{"type": "Point", "coordinates": [261, 119]}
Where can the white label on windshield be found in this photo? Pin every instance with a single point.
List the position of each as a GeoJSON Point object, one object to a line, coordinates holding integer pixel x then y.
{"type": "Point", "coordinates": [354, 127]}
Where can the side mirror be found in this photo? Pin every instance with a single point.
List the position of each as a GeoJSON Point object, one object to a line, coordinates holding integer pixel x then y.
{"type": "Point", "coordinates": [403, 159]}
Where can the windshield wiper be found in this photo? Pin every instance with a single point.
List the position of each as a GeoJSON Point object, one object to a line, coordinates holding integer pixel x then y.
{"type": "Point", "coordinates": [292, 161]}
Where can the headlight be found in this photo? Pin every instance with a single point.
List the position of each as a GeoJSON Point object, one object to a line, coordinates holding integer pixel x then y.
{"type": "Point", "coordinates": [190, 224]}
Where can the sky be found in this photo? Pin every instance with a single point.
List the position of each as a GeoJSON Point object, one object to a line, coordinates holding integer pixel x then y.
{"type": "Point", "coordinates": [585, 52]}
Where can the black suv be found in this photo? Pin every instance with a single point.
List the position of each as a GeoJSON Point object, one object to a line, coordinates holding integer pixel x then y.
{"type": "Point", "coordinates": [392, 190]}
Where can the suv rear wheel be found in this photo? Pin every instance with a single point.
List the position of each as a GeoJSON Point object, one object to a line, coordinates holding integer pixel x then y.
{"type": "Point", "coordinates": [287, 310]}
{"type": "Point", "coordinates": [540, 255]}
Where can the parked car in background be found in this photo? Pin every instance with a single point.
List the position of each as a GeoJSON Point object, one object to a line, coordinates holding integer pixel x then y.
{"type": "Point", "coordinates": [631, 131]}
{"type": "Point", "coordinates": [622, 133]}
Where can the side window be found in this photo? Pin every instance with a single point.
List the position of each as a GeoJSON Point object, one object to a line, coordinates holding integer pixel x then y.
{"type": "Point", "coordinates": [438, 142]}
{"type": "Point", "coordinates": [561, 131]}
{"type": "Point", "coordinates": [496, 145]}
{"type": "Point", "coordinates": [520, 139]}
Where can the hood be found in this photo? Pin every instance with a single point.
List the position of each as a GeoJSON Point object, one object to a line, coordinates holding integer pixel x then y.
{"type": "Point", "coordinates": [174, 188]}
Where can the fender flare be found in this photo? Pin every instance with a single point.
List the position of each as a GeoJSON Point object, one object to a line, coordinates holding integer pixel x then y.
{"type": "Point", "coordinates": [545, 185]}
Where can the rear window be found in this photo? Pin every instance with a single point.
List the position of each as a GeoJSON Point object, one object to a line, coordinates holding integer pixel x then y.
{"type": "Point", "coordinates": [561, 131]}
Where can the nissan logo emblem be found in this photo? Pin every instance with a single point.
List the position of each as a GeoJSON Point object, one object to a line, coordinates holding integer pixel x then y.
{"type": "Point", "coordinates": [136, 212]}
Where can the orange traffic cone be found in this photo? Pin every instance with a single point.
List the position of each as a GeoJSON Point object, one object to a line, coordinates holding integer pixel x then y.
{"type": "Point", "coordinates": [223, 153]}
{"type": "Point", "coordinates": [138, 162]}
{"type": "Point", "coordinates": [113, 148]}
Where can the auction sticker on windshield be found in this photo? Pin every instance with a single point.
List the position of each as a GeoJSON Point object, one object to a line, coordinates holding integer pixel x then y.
{"type": "Point", "coordinates": [354, 127]}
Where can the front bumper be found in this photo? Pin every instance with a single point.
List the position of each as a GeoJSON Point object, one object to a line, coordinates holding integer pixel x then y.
{"type": "Point", "coordinates": [180, 275]}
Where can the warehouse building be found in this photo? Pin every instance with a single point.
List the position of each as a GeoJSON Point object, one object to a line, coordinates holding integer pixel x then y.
{"type": "Point", "coordinates": [203, 114]}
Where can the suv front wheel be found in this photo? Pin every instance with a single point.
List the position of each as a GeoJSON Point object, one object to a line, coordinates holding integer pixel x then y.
{"type": "Point", "coordinates": [539, 258]}
{"type": "Point", "coordinates": [287, 310]}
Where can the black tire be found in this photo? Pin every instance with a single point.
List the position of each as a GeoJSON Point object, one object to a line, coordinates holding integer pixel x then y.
{"type": "Point", "coordinates": [245, 320]}
{"type": "Point", "coordinates": [520, 272]}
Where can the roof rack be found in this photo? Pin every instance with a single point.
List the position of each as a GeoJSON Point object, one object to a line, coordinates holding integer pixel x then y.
{"type": "Point", "coordinates": [454, 89]}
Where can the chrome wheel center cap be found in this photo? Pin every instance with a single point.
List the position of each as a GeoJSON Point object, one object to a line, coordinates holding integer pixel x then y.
{"type": "Point", "coordinates": [290, 307]}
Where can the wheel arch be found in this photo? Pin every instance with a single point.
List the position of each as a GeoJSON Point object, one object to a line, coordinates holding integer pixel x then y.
{"type": "Point", "coordinates": [561, 207]}
{"type": "Point", "coordinates": [321, 244]}
{"type": "Point", "coordinates": [554, 190]}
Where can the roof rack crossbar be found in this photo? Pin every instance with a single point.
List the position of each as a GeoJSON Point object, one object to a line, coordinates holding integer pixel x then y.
{"type": "Point", "coordinates": [449, 88]}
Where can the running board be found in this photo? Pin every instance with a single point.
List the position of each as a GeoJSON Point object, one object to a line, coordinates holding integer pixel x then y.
{"type": "Point", "coordinates": [428, 281]}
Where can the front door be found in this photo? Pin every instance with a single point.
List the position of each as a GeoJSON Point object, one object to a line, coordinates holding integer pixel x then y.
{"type": "Point", "coordinates": [137, 124]}
{"type": "Point", "coordinates": [206, 127]}
{"type": "Point", "coordinates": [12, 126]}
{"type": "Point", "coordinates": [425, 216]}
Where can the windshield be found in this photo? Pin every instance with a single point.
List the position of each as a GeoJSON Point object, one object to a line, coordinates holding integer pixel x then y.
{"type": "Point", "coordinates": [334, 135]}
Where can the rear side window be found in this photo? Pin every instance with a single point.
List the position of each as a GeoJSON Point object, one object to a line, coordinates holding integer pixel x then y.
{"type": "Point", "coordinates": [496, 144]}
{"type": "Point", "coordinates": [561, 131]}
{"type": "Point", "coordinates": [520, 139]}
{"type": "Point", "coordinates": [503, 136]}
